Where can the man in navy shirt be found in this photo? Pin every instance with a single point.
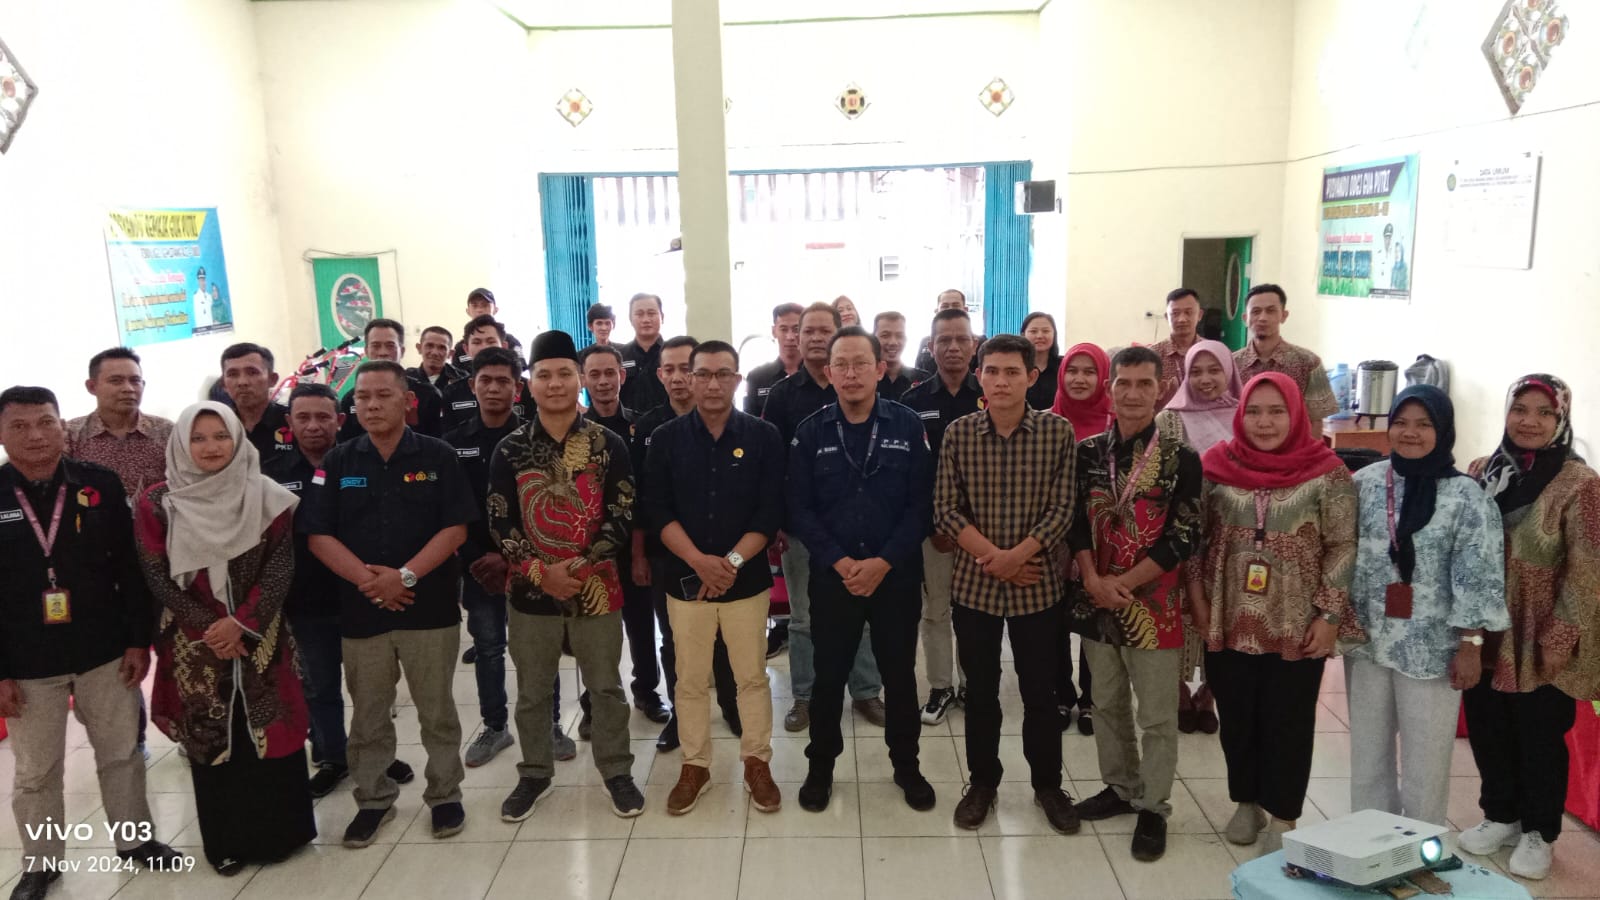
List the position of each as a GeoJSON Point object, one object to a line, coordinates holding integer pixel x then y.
{"type": "Point", "coordinates": [860, 492]}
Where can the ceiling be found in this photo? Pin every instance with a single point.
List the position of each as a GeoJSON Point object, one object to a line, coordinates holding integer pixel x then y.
{"type": "Point", "coordinates": [555, 14]}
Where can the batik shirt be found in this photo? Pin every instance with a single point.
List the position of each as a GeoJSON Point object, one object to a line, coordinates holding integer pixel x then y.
{"type": "Point", "coordinates": [1299, 364]}
{"type": "Point", "coordinates": [139, 457]}
{"type": "Point", "coordinates": [1553, 590]}
{"type": "Point", "coordinates": [1310, 552]}
{"type": "Point", "coordinates": [566, 502]}
{"type": "Point", "coordinates": [1458, 583]}
{"type": "Point", "coordinates": [1160, 521]}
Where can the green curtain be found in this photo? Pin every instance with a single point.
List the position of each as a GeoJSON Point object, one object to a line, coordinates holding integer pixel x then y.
{"type": "Point", "coordinates": [572, 279]}
{"type": "Point", "coordinates": [1007, 248]}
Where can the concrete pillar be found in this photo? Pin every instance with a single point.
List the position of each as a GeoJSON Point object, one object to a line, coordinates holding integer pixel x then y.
{"type": "Point", "coordinates": [702, 167]}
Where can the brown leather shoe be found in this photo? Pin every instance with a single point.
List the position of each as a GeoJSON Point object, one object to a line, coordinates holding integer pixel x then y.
{"type": "Point", "coordinates": [764, 793]}
{"type": "Point", "coordinates": [692, 784]}
{"type": "Point", "coordinates": [974, 807]}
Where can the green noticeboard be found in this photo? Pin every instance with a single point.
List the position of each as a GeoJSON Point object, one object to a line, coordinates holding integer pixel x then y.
{"type": "Point", "coordinates": [348, 296]}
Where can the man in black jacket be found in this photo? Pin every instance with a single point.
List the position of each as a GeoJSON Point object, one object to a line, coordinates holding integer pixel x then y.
{"type": "Point", "coordinates": [75, 624]}
{"type": "Point", "coordinates": [386, 339]}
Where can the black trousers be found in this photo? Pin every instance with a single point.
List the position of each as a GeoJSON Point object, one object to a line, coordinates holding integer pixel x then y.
{"type": "Point", "coordinates": [1035, 645]}
{"type": "Point", "coordinates": [1519, 741]}
{"type": "Point", "coordinates": [1081, 696]}
{"type": "Point", "coordinates": [1268, 707]}
{"type": "Point", "coordinates": [837, 617]}
{"type": "Point", "coordinates": [721, 669]}
{"type": "Point", "coordinates": [639, 621]}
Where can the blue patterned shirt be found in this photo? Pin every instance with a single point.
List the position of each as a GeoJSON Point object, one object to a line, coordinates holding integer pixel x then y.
{"type": "Point", "coordinates": [1459, 581]}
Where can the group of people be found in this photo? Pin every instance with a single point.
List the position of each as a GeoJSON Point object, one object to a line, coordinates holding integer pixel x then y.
{"type": "Point", "coordinates": [1170, 507]}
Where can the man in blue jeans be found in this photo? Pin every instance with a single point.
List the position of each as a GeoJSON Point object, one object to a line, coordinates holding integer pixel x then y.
{"type": "Point", "coordinates": [494, 383]}
{"type": "Point", "coordinates": [313, 602]}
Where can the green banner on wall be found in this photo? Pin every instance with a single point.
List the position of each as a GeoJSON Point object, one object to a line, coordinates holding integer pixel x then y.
{"type": "Point", "coordinates": [348, 296]}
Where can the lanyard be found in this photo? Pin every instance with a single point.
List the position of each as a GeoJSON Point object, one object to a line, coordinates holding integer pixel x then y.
{"type": "Point", "coordinates": [47, 542]}
{"type": "Point", "coordinates": [1263, 500]}
{"type": "Point", "coordinates": [872, 445]}
{"type": "Point", "coordinates": [1133, 477]}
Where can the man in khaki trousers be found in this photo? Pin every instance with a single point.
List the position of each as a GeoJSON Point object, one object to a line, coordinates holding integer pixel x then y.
{"type": "Point", "coordinates": [708, 490]}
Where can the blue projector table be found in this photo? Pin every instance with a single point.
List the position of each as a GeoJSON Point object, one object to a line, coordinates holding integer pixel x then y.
{"type": "Point", "coordinates": [1263, 879]}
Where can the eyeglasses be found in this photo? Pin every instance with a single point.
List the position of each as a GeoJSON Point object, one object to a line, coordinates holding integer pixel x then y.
{"type": "Point", "coordinates": [851, 368]}
{"type": "Point", "coordinates": [723, 376]}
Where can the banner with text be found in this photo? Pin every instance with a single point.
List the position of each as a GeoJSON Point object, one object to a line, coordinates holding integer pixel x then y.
{"type": "Point", "coordinates": [1369, 225]}
{"type": "Point", "coordinates": [168, 277]}
{"type": "Point", "coordinates": [349, 295]}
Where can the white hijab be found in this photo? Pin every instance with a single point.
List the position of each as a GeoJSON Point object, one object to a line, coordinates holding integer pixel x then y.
{"type": "Point", "coordinates": [214, 517]}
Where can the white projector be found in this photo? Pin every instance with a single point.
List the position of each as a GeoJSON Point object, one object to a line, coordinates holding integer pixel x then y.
{"type": "Point", "coordinates": [1365, 848]}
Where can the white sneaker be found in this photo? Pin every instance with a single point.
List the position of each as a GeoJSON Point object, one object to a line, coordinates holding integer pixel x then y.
{"type": "Point", "coordinates": [1531, 859]}
{"type": "Point", "coordinates": [1488, 837]}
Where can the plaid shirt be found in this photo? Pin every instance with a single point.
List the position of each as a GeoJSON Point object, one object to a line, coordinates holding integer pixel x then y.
{"type": "Point", "coordinates": [1008, 489]}
{"type": "Point", "coordinates": [1299, 364]}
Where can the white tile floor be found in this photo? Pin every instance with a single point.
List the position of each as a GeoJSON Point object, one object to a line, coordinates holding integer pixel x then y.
{"type": "Point", "coordinates": [867, 844]}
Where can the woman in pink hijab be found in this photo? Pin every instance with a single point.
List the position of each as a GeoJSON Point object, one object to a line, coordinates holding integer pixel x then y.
{"type": "Point", "coordinates": [1201, 415]}
{"type": "Point", "coordinates": [1202, 410]}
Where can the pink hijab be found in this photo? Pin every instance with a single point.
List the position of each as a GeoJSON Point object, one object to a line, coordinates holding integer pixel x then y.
{"type": "Point", "coordinates": [1207, 422]}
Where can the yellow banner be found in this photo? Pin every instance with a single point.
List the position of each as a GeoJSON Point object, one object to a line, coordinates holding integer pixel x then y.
{"type": "Point", "coordinates": [155, 225]}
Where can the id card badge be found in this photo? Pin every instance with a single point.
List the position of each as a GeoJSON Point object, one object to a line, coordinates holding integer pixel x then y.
{"type": "Point", "coordinates": [1257, 577]}
{"type": "Point", "coordinates": [1397, 600]}
{"type": "Point", "coordinates": [57, 606]}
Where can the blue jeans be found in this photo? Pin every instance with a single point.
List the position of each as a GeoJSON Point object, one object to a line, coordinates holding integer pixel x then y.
{"type": "Point", "coordinates": [486, 622]}
{"type": "Point", "coordinates": [321, 663]}
{"type": "Point", "coordinates": [864, 681]}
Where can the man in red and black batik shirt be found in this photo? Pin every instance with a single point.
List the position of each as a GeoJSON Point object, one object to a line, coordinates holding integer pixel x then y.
{"type": "Point", "coordinates": [1138, 519]}
{"type": "Point", "coordinates": [560, 507]}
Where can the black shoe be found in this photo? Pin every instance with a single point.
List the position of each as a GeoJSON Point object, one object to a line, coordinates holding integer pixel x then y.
{"type": "Point", "coordinates": [974, 807]}
{"type": "Point", "coordinates": [34, 885]}
{"type": "Point", "coordinates": [817, 791]}
{"type": "Point", "coordinates": [1086, 721]}
{"type": "Point", "coordinates": [1058, 810]}
{"type": "Point", "coordinates": [1104, 805]}
{"type": "Point", "coordinates": [1149, 837]}
{"type": "Point", "coordinates": [731, 718]}
{"type": "Point", "coordinates": [401, 772]}
{"type": "Point", "coordinates": [326, 779]}
{"type": "Point", "coordinates": [585, 726]}
{"type": "Point", "coordinates": [626, 799]}
{"type": "Point", "coordinates": [777, 639]}
{"type": "Point", "coordinates": [448, 820]}
{"type": "Point", "coordinates": [229, 867]}
{"type": "Point", "coordinates": [653, 709]}
{"type": "Point", "coordinates": [363, 829]}
{"type": "Point", "coordinates": [470, 657]}
{"type": "Point", "coordinates": [1064, 713]}
{"type": "Point", "coordinates": [518, 805]}
{"type": "Point", "coordinates": [668, 741]}
{"type": "Point", "coordinates": [918, 792]}
{"type": "Point", "coordinates": [152, 855]}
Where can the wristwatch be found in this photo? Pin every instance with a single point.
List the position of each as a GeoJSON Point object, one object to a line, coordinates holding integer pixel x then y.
{"type": "Point", "coordinates": [1475, 640]}
{"type": "Point", "coordinates": [1332, 618]}
{"type": "Point", "coordinates": [735, 560]}
{"type": "Point", "coordinates": [408, 578]}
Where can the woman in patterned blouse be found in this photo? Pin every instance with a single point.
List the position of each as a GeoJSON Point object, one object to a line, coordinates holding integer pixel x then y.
{"type": "Point", "coordinates": [1280, 549]}
{"type": "Point", "coordinates": [1519, 713]}
{"type": "Point", "coordinates": [1430, 579]}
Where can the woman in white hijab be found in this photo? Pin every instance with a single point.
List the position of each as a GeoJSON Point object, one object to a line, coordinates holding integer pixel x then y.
{"type": "Point", "coordinates": [216, 543]}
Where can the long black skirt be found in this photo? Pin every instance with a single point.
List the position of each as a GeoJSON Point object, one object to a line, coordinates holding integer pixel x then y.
{"type": "Point", "coordinates": [253, 810]}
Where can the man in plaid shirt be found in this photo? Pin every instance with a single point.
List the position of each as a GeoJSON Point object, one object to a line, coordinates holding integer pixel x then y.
{"type": "Point", "coordinates": [1005, 494]}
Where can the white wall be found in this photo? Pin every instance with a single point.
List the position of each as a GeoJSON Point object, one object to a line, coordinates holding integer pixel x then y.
{"type": "Point", "coordinates": [1362, 77]}
{"type": "Point", "coordinates": [151, 103]}
{"type": "Point", "coordinates": [1193, 96]}
{"type": "Point", "coordinates": [406, 127]}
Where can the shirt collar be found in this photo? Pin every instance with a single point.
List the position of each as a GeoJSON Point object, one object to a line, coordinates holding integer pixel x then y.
{"type": "Point", "coordinates": [408, 443]}
{"type": "Point", "coordinates": [97, 426]}
{"type": "Point", "coordinates": [1143, 437]}
{"type": "Point", "coordinates": [1030, 421]}
{"type": "Point", "coordinates": [833, 412]}
{"type": "Point", "coordinates": [735, 425]}
{"type": "Point", "coordinates": [1248, 355]}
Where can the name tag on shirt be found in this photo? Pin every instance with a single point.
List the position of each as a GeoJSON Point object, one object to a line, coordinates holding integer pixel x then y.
{"type": "Point", "coordinates": [11, 515]}
{"type": "Point", "coordinates": [467, 452]}
{"type": "Point", "coordinates": [762, 392]}
{"type": "Point", "coordinates": [630, 363]}
{"type": "Point", "coordinates": [464, 404]}
{"type": "Point", "coordinates": [824, 451]}
{"type": "Point", "coordinates": [928, 414]}
{"type": "Point", "coordinates": [354, 481]}
{"type": "Point", "coordinates": [901, 446]}
{"type": "Point", "coordinates": [291, 486]}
